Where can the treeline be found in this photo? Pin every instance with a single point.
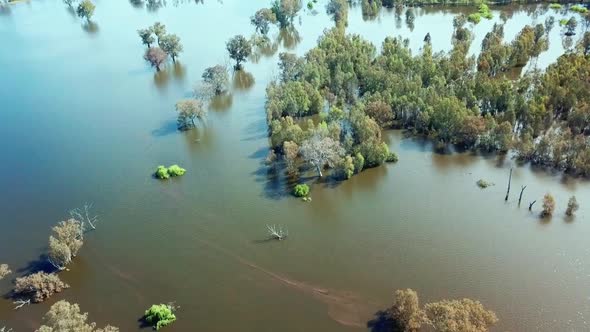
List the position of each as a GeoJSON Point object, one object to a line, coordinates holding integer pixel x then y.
{"type": "Point", "coordinates": [450, 97]}
{"type": "Point", "coordinates": [394, 3]}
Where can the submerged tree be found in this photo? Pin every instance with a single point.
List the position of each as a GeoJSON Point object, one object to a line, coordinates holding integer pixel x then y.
{"type": "Point", "coordinates": [159, 30]}
{"type": "Point", "coordinates": [64, 317]}
{"type": "Point", "coordinates": [262, 19]}
{"type": "Point", "coordinates": [86, 10]}
{"type": "Point", "coordinates": [460, 315]}
{"type": "Point", "coordinates": [216, 78]}
{"type": "Point", "coordinates": [572, 206]}
{"type": "Point", "coordinates": [39, 286]}
{"type": "Point", "coordinates": [239, 49]}
{"type": "Point", "coordinates": [286, 10]}
{"type": "Point", "coordinates": [406, 311]}
{"type": "Point", "coordinates": [319, 151]}
{"type": "Point", "coordinates": [160, 315]}
{"type": "Point", "coordinates": [189, 110]}
{"type": "Point", "coordinates": [548, 205]}
{"type": "Point", "coordinates": [146, 36]}
{"type": "Point", "coordinates": [338, 9]}
{"type": "Point", "coordinates": [155, 56]}
{"type": "Point", "coordinates": [66, 241]}
{"type": "Point", "coordinates": [171, 45]}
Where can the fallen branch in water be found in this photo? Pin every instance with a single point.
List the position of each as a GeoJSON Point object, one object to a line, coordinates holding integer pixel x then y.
{"type": "Point", "coordinates": [20, 304]}
{"type": "Point", "coordinates": [277, 233]}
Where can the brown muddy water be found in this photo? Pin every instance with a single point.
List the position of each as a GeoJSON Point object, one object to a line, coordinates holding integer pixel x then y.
{"type": "Point", "coordinates": [83, 119]}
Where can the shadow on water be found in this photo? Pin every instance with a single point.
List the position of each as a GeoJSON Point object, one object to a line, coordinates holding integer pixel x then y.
{"type": "Point", "coordinates": [243, 80]}
{"type": "Point", "coordinates": [167, 128]}
{"type": "Point", "coordinates": [41, 264]}
{"type": "Point", "coordinates": [91, 28]}
{"type": "Point", "coordinates": [383, 322]}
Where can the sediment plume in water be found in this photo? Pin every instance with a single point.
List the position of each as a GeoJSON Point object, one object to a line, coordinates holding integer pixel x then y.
{"type": "Point", "coordinates": [343, 307]}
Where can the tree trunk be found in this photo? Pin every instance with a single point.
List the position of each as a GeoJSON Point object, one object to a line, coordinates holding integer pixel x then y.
{"type": "Point", "coordinates": [531, 205]}
{"type": "Point", "coordinates": [319, 169]}
{"type": "Point", "coordinates": [522, 188]}
{"type": "Point", "coordinates": [173, 59]}
{"type": "Point", "coordinates": [157, 67]}
{"type": "Point", "coordinates": [509, 180]}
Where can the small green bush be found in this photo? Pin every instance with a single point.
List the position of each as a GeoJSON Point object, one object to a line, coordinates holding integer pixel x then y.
{"type": "Point", "coordinates": [563, 21]}
{"type": "Point", "coordinates": [579, 9]}
{"type": "Point", "coordinates": [391, 157]}
{"type": "Point", "coordinates": [474, 18]}
{"type": "Point", "coordinates": [165, 173]}
{"type": "Point", "coordinates": [162, 172]}
{"type": "Point", "coordinates": [555, 6]}
{"type": "Point", "coordinates": [176, 170]}
{"type": "Point", "coordinates": [160, 315]}
{"type": "Point", "coordinates": [359, 162]}
{"type": "Point", "coordinates": [310, 5]}
{"type": "Point", "coordinates": [301, 190]}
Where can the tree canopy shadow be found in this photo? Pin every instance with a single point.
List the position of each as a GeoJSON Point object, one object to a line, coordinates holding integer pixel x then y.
{"type": "Point", "coordinates": [383, 322]}
{"type": "Point", "coordinates": [41, 264]}
{"type": "Point", "coordinates": [167, 128]}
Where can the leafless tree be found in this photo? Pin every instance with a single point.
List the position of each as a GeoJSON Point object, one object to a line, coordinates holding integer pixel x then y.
{"type": "Point", "coordinates": [508, 190]}
{"type": "Point", "coordinates": [522, 188]}
{"type": "Point", "coordinates": [277, 233]}
{"type": "Point", "coordinates": [3, 329]}
{"type": "Point", "coordinates": [319, 151]}
{"type": "Point", "coordinates": [84, 215]}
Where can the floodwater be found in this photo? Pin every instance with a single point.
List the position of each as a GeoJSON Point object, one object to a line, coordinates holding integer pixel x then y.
{"type": "Point", "coordinates": [84, 119]}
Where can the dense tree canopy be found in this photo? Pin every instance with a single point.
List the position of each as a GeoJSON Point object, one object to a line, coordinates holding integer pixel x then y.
{"type": "Point", "coordinates": [65, 317]}
{"type": "Point", "coordinates": [239, 49]}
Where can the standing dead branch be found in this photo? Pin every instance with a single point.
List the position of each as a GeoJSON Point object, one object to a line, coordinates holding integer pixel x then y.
{"type": "Point", "coordinates": [277, 233]}
{"type": "Point", "coordinates": [522, 188]}
{"type": "Point", "coordinates": [3, 329]}
{"type": "Point", "coordinates": [509, 180]}
{"type": "Point", "coordinates": [531, 204]}
{"type": "Point", "coordinates": [85, 216]}
{"type": "Point", "coordinates": [20, 304]}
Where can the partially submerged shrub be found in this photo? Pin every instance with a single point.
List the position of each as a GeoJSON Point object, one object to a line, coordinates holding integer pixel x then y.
{"type": "Point", "coordinates": [579, 9]}
{"type": "Point", "coordinates": [4, 271]}
{"type": "Point", "coordinates": [176, 170]}
{"type": "Point", "coordinates": [160, 315]}
{"type": "Point", "coordinates": [39, 286]}
{"type": "Point", "coordinates": [572, 207]}
{"type": "Point", "coordinates": [165, 173]}
{"type": "Point", "coordinates": [483, 183]}
{"type": "Point", "coordinates": [548, 205]}
{"type": "Point", "coordinates": [460, 315]}
{"type": "Point", "coordinates": [391, 158]}
{"type": "Point", "coordinates": [162, 172]}
{"type": "Point", "coordinates": [64, 316]}
{"type": "Point", "coordinates": [555, 6]}
{"type": "Point", "coordinates": [301, 190]}
{"type": "Point", "coordinates": [474, 18]}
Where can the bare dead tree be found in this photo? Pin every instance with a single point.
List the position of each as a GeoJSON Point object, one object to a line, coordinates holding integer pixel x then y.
{"type": "Point", "coordinates": [85, 216]}
{"type": "Point", "coordinates": [531, 204]}
{"type": "Point", "coordinates": [522, 188]}
{"type": "Point", "coordinates": [20, 304]}
{"type": "Point", "coordinates": [3, 329]}
{"type": "Point", "coordinates": [277, 233]}
{"type": "Point", "coordinates": [509, 180]}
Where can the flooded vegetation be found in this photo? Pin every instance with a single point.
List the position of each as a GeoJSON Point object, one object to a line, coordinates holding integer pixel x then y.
{"type": "Point", "coordinates": [402, 215]}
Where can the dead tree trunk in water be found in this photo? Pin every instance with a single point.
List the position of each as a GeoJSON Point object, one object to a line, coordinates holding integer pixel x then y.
{"type": "Point", "coordinates": [531, 204]}
{"type": "Point", "coordinates": [509, 180]}
{"type": "Point", "coordinates": [522, 188]}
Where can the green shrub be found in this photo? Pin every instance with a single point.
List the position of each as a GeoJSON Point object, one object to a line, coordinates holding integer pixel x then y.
{"type": "Point", "coordinates": [310, 5]}
{"type": "Point", "coordinates": [391, 157]}
{"type": "Point", "coordinates": [555, 6]}
{"type": "Point", "coordinates": [579, 9]}
{"type": "Point", "coordinates": [160, 315]}
{"type": "Point", "coordinates": [176, 170]}
{"type": "Point", "coordinates": [474, 18]}
{"type": "Point", "coordinates": [162, 172]}
{"type": "Point", "coordinates": [301, 190]}
{"type": "Point", "coordinates": [359, 162]}
{"type": "Point", "coordinates": [484, 11]}
{"type": "Point", "coordinates": [563, 21]}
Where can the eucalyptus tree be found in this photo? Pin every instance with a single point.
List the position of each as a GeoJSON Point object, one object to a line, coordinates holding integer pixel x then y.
{"type": "Point", "coordinates": [216, 78]}
{"type": "Point", "coordinates": [171, 45]}
{"type": "Point", "coordinates": [86, 9]}
{"type": "Point", "coordinates": [189, 110]}
{"type": "Point", "coordinates": [155, 56]}
{"type": "Point", "coordinates": [320, 151]}
{"type": "Point", "coordinates": [262, 19]}
{"type": "Point", "coordinates": [147, 36]}
{"type": "Point", "coordinates": [239, 49]}
{"type": "Point", "coordinates": [64, 316]}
